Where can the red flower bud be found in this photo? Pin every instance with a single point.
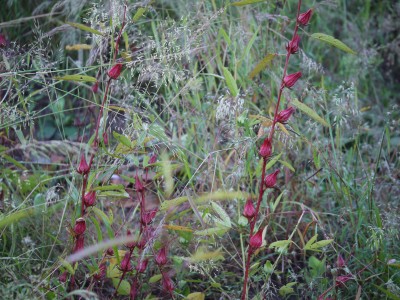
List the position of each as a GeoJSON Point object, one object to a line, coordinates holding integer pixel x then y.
{"type": "Point", "coordinates": [115, 71]}
{"type": "Point", "coordinates": [134, 289]}
{"type": "Point", "coordinates": [138, 184]}
{"type": "Point", "coordinates": [3, 41]}
{"type": "Point", "coordinates": [284, 115]}
{"type": "Point", "coordinates": [80, 226]}
{"type": "Point", "coordinates": [167, 283]}
{"type": "Point", "coordinates": [256, 240]}
{"type": "Point", "coordinates": [249, 211]}
{"type": "Point", "coordinates": [304, 18]}
{"type": "Point", "coordinates": [130, 245]}
{"type": "Point", "coordinates": [101, 273]}
{"type": "Point", "coordinates": [110, 252]}
{"type": "Point", "coordinates": [142, 265]}
{"type": "Point", "coordinates": [340, 262]}
{"type": "Point", "coordinates": [90, 198]}
{"type": "Point", "coordinates": [63, 277]}
{"type": "Point", "coordinates": [153, 159]}
{"type": "Point", "coordinates": [270, 180]}
{"type": "Point", "coordinates": [83, 167]}
{"type": "Point", "coordinates": [293, 46]}
{"type": "Point", "coordinates": [265, 149]}
{"type": "Point", "coordinates": [148, 216]}
{"type": "Point", "coordinates": [291, 79]}
{"type": "Point", "coordinates": [126, 263]}
{"type": "Point", "coordinates": [161, 257]}
{"type": "Point", "coordinates": [95, 87]}
{"type": "Point", "coordinates": [105, 138]}
{"type": "Point", "coordinates": [341, 280]}
{"type": "Point", "coordinates": [79, 243]}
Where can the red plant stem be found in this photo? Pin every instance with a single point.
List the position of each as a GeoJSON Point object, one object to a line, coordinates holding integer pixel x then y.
{"type": "Point", "coordinates": [270, 137]}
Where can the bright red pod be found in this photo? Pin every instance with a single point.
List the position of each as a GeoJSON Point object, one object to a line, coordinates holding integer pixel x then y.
{"type": "Point", "coordinates": [305, 17]}
{"type": "Point", "coordinates": [126, 263]}
{"type": "Point", "coordinates": [80, 226]}
{"type": "Point", "coordinates": [256, 240]}
{"type": "Point", "coordinates": [265, 149]}
{"type": "Point", "coordinates": [249, 210]}
{"type": "Point", "coordinates": [115, 71]}
{"type": "Point", "coordinates": [270, 180]}
{"type": "Point", "coordinates": [161, 257]}
{"type": "Point", "coordinates": [142, 265]}
{"type": "Point", "coordinates": [148, 216]}
{"type": "Point", "coordinates": [168, 285]}
{"type": "Point", "coordinates": [90, 198]}
{"type": "Point", "coordinates": [83, 167]}
{"type": "Point", "coordinates": [284, 115]}
{"type": "Point", "coordinates": [293, 46]}
{"type": "Point", "coordinates": [291, 79]}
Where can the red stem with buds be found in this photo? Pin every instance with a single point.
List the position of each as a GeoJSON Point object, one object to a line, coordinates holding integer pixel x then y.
{"type": "Point", "coordinates": [250, 250]}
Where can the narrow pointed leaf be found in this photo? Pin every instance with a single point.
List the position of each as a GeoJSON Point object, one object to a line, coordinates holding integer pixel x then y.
{"type": "Point", "coordinates": [78, 78]}
{"type": "Point", "coordinates": [246, 2]}
{"type": "Point", "coordinates": [334, 42]}
{"type": "Point", "coordinates": [230, 82]}
{"type": "Point", "coordinates": [307, 110]}
{"type": "Point", "coordinates": [262, 65]}
{"type": "Point", "coordinates": [85, 28]}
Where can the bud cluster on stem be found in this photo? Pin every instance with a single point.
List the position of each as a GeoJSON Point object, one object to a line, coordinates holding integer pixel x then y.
{"type": "Point", "coordinates": [269, 181]}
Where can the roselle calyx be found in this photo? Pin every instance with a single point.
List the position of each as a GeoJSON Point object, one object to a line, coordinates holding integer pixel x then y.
{"type": "Point", "coordinates": [95, 87]}
{"type": "Point", "coordinates": [256, 240]}
{"type": "Point", "coordinates": [249, 210]}
{"type": "Point", "coordinates": [139, 187]}
{"type": "Point", "coordinates": [3, 41]}
{"type": "Point", "coordinates": [284, 115]}
{"type": "Point", "coordinates": [265, 149]}
{"type": "Point", "coordinates": [79, 243]}
{"type": "Point", "coordinates": [291, 79]}
{"type": "Point", "coordinates": [305, 17]}
{"type": "Point", "coordinates": [142, 265]}
{"type": "Point", "coordinates": [80, 226]}
{"type": "Point", "coordinates": [115, 71]}
{"type": "Point", "coordinates": [89, 199]}
{"type": "Point", "coordinates": [147, 217]}
{"type": "Point", "coordinates": [161, 257]}
{"type": "Point", "coordinates": [293, 46]}
{"type": "Point", "coordinates": [105, 138]}
{"type": "Point", "coordinates": [270, 180]}
{"type": "Point", "coordinates": [126, 263]}
{"type": "Point", "coordinates": [340, 262]}
{"type": "Point", "coordinates": [83, 167]}
{"type": "Point", "coordinates": [130, 245]}
{"type": "Point", "coordinates": [167, 283]}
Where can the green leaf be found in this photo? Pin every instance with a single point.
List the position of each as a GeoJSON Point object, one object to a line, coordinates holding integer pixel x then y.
{"type": "Point", "coordinates": [124, 140]}
{"type": "Point", "coordinates": [332, 41]}
{"type": "Point", "coordinates": [287, 289]}
{"type": "Point", "coordinates": [139, 14]}
{"type": "Point", "coordinates": [315, 246]}
{"type": "Point", "coordinates": [67, 265]}
{"type": "Point", "coordinates": [307, 110]}
{"type": "Point", "coordinates": [111, 187]}
{"type": "Point", "coordinates": [210, 231]}
{"type": "Point", "coordinates": [246, 2]}
{"type": "Point", "coordinates": [155, 278]}
{"type": "Point", "coordinates": [230, 82]}
{"type": "Point", "coordinates": [262, 65]}
{"type": "Point", "coordinates": [287, 165]}
{"type": "Point", "coordinates": [78, 78]}
{"type": "Point", "coordinates": [84, 28]}
{"type": "Point", "coordinates": [388, 293]}
{"type": "Point", "coordinates": [223, 33]}
{"type": "Point", "coordinates": [13, 161]}
{"type": "Point", "coordinates": [280, 244]}
{"type": "Point", "coordinates": [273, 161]}
{"type": "Point", "coordinates": [224, 217]}
{"type": "Point", "coordinates": [116, 194]}
{"type": "Point", "coordinates": [124, 287]}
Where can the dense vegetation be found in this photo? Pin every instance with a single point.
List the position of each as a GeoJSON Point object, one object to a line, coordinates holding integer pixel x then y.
{"type": "Point", "coordinates": [135, 138]}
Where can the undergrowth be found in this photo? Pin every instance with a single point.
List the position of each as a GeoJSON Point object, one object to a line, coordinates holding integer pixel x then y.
{"type": "Point", "coordinates": [129, 150]}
